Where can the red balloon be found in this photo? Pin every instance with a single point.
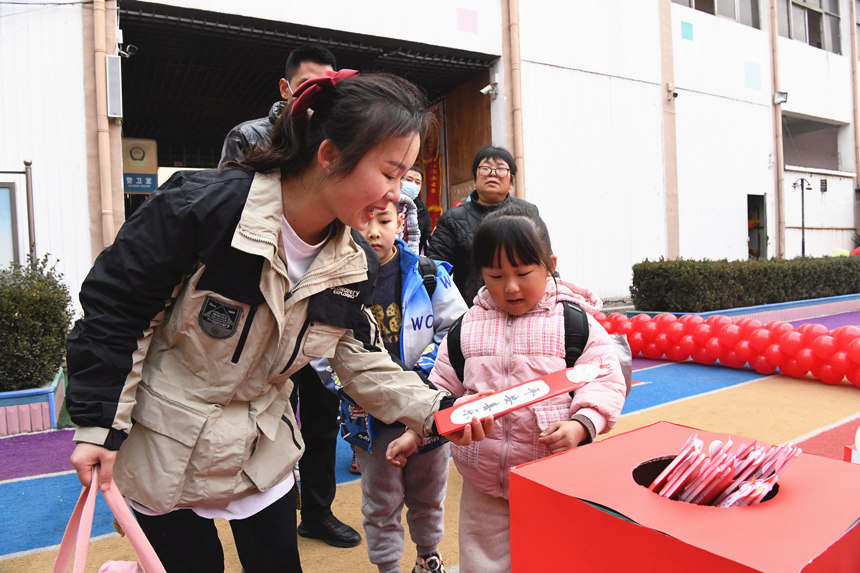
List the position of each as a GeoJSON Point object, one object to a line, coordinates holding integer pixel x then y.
{"type": "Point", "coordinates": [600, 317]}
{"type": "Point", "coordinates": [778, 328]}
{"type": "Point", "coordinates": [845, 335]}
{"type": "Point", "coordinates": [625, 327]}
{"type": "Point", "coordinates": [636, 342]}
{"type": "Point", "coordinates": [713, 347]}
{"type": "Point", "coordinates": [759, 339]}
{"type": "Point", "coordinates": [750, 325]}
{"type": "Point", "coordinates": [639, 320]}
{"type": "Point", "coordinates": [840, 362]}
{"type": "Point", "coordinates": [791, 368]}
{"type": "Point", "coordinates": [732, 360]}
{"type": "Point", "coordinates": [827, 374]}
{"type": "Point", "coordinates": [691, 318]}
{"type": "Point", "coordinates": [702, 356]}
{"type": "Point", "coordinates": [687, 344]}
{"type": "Point", "coordinates": [649, 330]}
{"type": "Point", "coordinates": [806, 358]}
{"type": "Point", "coordinates": [674, 330]}
{"type": "Point", "coordinates": [662, 341]}
{"type": "Point", "coordinates": [743, 350]}
{"type": "Point", "coordinates": [854, 375]}
{"type": "Point", "coordinates": [729, 335]}
{"type": "Point", "coordinates": [773, 353]}
{"type": "Point", "coordinates": [652, 351]}
{"type": "Point", "coordinates": [791, 342]}
{"type": "Point", "coordinates": [676, 354]}
{"type": "Point", "coordinates": [702, 333]}
{"type": "Point", "coordinates": [761, 365]}
{"type": "Point", "coordinates": [824, 346]}
{"type": "Point", "coordinates": [665, 317]}
{"type": "Point", "coordinates": [813, 331]}
{"type": "Point", "coordinates": [853, 351]}
{"type": "Point", "coordinates": [718, 321]}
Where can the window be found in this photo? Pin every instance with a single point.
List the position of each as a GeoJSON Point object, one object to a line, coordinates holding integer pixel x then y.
{"type": "Point", "coordinates": [814, 22]}
{"type": "Point", "coordinates": [8, 225]}
{"type": "Point", "coordinates": [743, 11]}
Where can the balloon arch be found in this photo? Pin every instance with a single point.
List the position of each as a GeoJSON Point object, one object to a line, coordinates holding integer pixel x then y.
{"type": "Point", "coordinates": [829, 356]}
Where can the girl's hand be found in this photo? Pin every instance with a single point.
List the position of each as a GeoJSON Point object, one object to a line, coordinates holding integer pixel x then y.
{"type": "Point", "coordinates": [403, 447]}
{"type": "Point", "coordinates": [563, 436]}
{"type": "Point", "coordinates": [85, 456]}
{"type": "Point", "coordinates": [477, 429]}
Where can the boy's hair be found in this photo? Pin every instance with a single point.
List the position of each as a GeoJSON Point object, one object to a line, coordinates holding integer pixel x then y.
{"type": "Point", "coordinates": [309, 53]}
{"type": "Point", "coordinates": [356, 115]}
{"type": "Point", "coordinates": [518, 232]}
{"type": "Point", "coordinates": [418, 170]}
{"type": "Point", "coordinates": [497, 153]}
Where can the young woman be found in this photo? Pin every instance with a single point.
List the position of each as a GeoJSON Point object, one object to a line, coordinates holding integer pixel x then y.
{"type": "Point", "coordinates": [216, 290]}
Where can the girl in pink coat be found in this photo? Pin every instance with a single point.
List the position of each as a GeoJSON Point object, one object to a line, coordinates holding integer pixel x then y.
{"type": "Point", "coordinates": [515, 333]}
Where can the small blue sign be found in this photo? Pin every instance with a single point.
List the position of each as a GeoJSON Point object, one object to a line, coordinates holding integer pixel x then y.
{"type": "Point", "coordinates": [139, 182]}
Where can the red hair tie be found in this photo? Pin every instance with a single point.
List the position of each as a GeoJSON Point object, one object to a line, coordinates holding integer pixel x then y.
{"type": "Point", "coordinates": [307, 91]}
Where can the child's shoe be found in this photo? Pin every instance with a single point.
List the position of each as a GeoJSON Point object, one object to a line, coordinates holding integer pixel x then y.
{"type": "Point", "coordinates": [429, 564]}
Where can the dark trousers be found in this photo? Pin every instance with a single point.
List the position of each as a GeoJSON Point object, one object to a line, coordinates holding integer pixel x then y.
{"type": "Point", "coordinates": [317, 411]}
{"type": "Point", "coordinates": [266, 542]}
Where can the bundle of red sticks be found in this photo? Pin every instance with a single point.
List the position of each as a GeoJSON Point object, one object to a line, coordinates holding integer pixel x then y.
{"type": "Point", "coordinates": [721, 477]}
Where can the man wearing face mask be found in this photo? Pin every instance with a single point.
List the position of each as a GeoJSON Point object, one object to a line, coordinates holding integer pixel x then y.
{"type": "Point", "coordinates": [411, 187]}
{"type": "Point", "coordinates": [303, 63]}
{"type": "Point", "coordinates": [318, 413]}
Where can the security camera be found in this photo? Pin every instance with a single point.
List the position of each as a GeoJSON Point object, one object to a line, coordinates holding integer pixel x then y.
{"type": "Point", "coordinates": [128, 52]}
{"type": "Point", "coordinates": [486, 89]}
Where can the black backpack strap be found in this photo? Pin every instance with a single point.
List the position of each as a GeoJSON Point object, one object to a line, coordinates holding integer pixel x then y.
{"type": "Point", "coordinates": [575, 332]}
{"type": "Point", "coordinates": [427, 268]}
{"type": "Point", "coordinates": [455, 351]}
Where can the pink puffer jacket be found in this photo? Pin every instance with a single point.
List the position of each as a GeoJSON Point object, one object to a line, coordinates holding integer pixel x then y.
{"type": "Point", "coordinates": [503, 350]}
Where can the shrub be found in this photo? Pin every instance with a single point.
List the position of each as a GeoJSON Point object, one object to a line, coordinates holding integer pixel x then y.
{"type": "Point", "coordinates": [701, 286]}
{"type": "Point", "coordinates": [35, 318]}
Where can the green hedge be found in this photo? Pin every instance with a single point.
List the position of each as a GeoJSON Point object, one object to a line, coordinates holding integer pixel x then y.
{"type": "Point", "coordinates": [701, 286]}
{"type": "Point", "coordinates": [35, 318]}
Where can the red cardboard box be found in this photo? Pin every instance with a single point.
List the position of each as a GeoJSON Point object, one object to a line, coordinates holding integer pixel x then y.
{"type": "Point", "coordinates": [583, 511]}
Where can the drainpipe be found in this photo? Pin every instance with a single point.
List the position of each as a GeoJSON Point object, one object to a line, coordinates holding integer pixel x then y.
{"type": "Point", "coordinates": [670, 138]}
{"type": "Point", "coordinates": [855, 97]}
{"type": "Point", "coordinates": [104, 150]}
{"type": "Point", "coordinates": [779, 165]}
{"type": "Point", "coordinates": [513, 41]}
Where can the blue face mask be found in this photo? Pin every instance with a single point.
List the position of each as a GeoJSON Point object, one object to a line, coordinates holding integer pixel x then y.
{"type": "Point", "coordinates": [410, 189]}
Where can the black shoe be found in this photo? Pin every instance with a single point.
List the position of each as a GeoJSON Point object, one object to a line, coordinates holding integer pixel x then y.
{"type": "Point", "coordinates": [331, 530]}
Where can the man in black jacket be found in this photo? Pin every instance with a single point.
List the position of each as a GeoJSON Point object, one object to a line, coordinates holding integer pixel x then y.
{"type": "Point", "coordinates": [303, 63]}
{"type": "Point", "coordinates": [317, 407]}
{"type": "Point", "coordinates": [493, 170]}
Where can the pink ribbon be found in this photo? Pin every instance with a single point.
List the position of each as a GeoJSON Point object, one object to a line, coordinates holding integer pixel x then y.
{"type": "Point", "coordinates": [307, 91]}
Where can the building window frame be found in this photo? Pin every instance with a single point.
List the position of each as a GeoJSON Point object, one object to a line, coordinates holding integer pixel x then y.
{"type": "Point", "coordinates": [813, 22]}
{"type": "Point", "coordinates": [746, 12]}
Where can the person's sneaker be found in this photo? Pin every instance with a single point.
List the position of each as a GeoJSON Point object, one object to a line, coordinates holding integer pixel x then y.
{"type": "Point", "coordinates": [429, 564]}
{"type": "Point", "coordinates": [353, 467]}
{"type": "Point", "coordinates": [331, 530]}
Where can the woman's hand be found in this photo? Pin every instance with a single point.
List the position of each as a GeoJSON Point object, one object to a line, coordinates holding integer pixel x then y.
{"type": "Point", "coordinates": [85, 456]}
{"type": "Point", "coordinates": [477, 429]}
{"type": "Point", "coordinates": [563, 436]}
{"type": "Point", "coordinates": [402, 447]}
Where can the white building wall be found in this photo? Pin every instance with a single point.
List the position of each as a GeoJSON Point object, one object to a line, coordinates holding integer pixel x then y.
{"type": "Point", "coordinates": [593, 136]}
{"type": "Point", "coordinates": [724, 132]}
{"type": "Point", "coordinates": [42, 118]}
{"type": "Point", "coordinates": [474, 25]}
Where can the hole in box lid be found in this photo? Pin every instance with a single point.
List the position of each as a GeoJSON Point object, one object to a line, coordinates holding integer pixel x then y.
{"type": "Point", "coordinates": [645, 473]}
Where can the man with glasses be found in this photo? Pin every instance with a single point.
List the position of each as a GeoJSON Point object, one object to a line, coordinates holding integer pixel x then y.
{"type": "Point", "coordinates": [493, 171]}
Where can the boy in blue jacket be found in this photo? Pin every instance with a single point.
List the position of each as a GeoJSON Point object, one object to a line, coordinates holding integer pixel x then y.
{"type": "Point", "coordinates": [412, 324]}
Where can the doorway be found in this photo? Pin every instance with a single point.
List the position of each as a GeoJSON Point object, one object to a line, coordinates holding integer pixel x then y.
{"type": "Point", "coordinates": [756, 227]}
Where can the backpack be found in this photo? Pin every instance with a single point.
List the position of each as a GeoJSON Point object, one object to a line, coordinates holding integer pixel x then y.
{"type": "Point", "coordinates": [575, 338]}
{"type": "Point", "coordinates": [427, 270]}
